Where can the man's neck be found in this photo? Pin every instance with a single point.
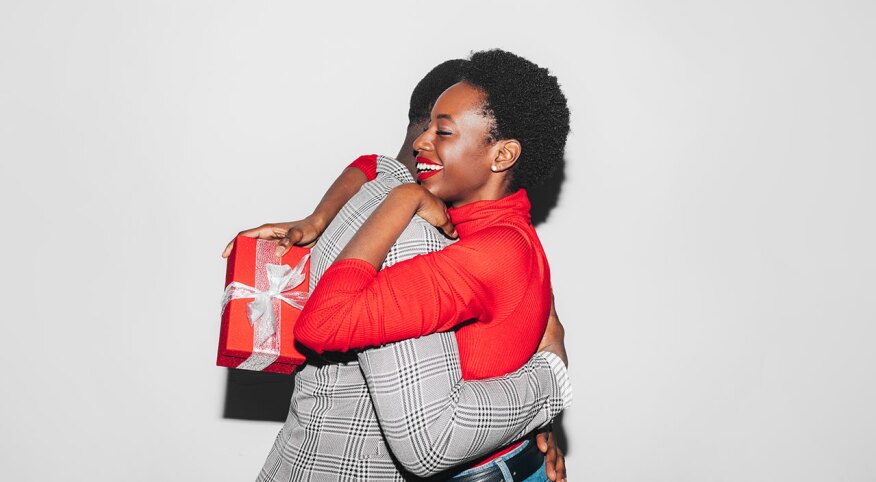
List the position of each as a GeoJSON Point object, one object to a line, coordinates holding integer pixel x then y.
{"type": "Point", "coordinates": [406, 154]}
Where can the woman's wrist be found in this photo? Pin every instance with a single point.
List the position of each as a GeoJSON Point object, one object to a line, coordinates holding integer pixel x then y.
{"type": "Point", "coordinates": [429, 207]}
{"type": "Point", "coordinates": [412, 195]}
{"type": "Point", "coordinates": [372, 241]}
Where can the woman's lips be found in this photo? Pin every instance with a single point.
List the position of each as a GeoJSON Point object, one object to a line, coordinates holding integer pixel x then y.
{"type": "Point", "coordinates": [427, 168]}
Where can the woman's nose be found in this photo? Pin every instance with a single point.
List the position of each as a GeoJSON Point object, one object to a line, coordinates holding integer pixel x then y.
{"type": "Point", "coordinates": [423, 142]}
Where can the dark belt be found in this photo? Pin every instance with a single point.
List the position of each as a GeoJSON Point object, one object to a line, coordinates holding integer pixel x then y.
{"type": "Point", "coordinates": [521, 465]}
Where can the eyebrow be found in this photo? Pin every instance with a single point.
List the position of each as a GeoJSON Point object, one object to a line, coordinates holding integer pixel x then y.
{"type": "Point", "coordinates": [444, 116]}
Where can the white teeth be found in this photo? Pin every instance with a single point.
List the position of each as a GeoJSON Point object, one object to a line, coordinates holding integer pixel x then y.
{"type": "Point", "coordinates": [422, 166]}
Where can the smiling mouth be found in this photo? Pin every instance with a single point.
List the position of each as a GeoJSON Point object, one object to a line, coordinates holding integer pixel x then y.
{"type": "Point", "coordinates": [427, 168]}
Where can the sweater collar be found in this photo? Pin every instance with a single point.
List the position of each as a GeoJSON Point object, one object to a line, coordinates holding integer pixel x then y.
{"type": "Point", "coordinates": [481, 214]}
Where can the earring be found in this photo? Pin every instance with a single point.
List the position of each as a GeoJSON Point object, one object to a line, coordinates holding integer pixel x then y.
{"type": "Point", "coordinates": [494, 168]}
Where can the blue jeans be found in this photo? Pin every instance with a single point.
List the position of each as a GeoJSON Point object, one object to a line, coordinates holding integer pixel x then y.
{"type": "Point", "coordinates": [539, 476]}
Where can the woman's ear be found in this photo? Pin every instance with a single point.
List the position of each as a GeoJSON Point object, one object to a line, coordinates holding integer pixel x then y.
{"type": "Point", "coordinates": [506, 155]}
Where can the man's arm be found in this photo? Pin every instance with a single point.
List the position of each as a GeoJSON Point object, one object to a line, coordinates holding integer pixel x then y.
{"type": "Point", "coordinates": [554, 339]}
{"type": "Point", "coordinates": [434, 420]}
{"type": "Point", "coordinates": [306, 231]}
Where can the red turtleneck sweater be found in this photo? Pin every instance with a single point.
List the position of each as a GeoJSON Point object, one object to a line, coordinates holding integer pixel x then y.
{"type": "Point", "coordinates": [493, 285]}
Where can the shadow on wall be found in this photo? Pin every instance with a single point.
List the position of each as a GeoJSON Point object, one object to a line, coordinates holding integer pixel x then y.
{"type": "Point", "coordinates": [545, 198]}
{"type": "Point", "coordinates": [547, 195]}
{"type": "Point", "coordinates": [560, 434]}
{"type": "Point", "coordinates": [253, 395]}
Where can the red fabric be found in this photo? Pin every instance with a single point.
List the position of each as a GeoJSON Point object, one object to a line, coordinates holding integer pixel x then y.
{"type": "Point", "coordinates": [493, 285]}
{"type": "Point", "coordinates": [496, 277]}
{"type": "Point", "coordinates": [366, 164]}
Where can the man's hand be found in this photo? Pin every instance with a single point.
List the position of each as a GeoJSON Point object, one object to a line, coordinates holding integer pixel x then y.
{"type": "Point", "coordinates": [554, 336]}
{"type": "Point", "coordinates": [554, 342]}
{"type": "Point", "coordinates": [296, 233]}
{"type": "Point", "coordinates": [554, 461]}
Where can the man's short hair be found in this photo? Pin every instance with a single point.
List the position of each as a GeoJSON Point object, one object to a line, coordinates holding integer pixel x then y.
{"type": "Point", "coordinates": [430, 88]}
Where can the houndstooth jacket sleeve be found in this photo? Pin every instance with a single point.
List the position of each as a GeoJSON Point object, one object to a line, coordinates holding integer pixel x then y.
{"type": "Point", "coordinates": [433, 420]}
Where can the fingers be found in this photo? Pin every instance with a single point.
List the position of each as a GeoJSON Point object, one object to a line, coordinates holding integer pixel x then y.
{"type": "Point", "coordinates": [541, 441]}
{"type": "Point", "coordinates": [227, 252]}
{"type": "Point", "coordinates": [550, 463]}
{"type": "Point", "coordinates": [449, 229]}
{"type": "Point", "coordinates": [434, 211]}
{"type": "Point", "coordinates": [444, 223]}
{"type": "Point", "coordinates": [293, 236]}
{"type": "Point", "coordinates": [265, 231]}
{"type": "Point", "coordinates": [561, 466]}
{"type": "Point", "coordinates": [441, 222]}
{"type": "Point", "coordinates": [249, 233]}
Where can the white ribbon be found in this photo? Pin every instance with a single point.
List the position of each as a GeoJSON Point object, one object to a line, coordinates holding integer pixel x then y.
{"type": "Point", "coordinates": [262, 312]}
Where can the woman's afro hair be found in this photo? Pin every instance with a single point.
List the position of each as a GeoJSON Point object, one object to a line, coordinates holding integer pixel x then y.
{"type": "Point", "coordinates": [525, 103]}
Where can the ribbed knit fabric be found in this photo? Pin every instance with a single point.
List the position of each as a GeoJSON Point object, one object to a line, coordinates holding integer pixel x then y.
{"type": "Point", "coordinates": [367, 164]}
{"type": "Point", "coordinates": [496, 278]}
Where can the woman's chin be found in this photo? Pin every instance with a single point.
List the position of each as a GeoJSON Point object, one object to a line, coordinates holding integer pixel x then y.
{"type": "Point", "coordinates": [423, 176]}
{"type": "Point", "coordinates": [431, 187]}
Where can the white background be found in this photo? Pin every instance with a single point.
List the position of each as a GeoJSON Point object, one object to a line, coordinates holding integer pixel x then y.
{"type": "Point", "coordinates": [712, 250]}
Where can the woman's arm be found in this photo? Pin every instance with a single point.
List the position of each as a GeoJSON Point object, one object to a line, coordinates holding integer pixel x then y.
{"type": "Point", "coordinates": [354, 306]}
{"type": "Point", "coordinates": [373, 240]}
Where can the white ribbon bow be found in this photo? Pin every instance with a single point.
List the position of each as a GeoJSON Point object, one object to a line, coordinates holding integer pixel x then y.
{"type": "Point", "coordinates": [261, 313]}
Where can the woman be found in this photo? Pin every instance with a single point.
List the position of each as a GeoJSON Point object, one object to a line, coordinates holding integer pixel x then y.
{"type": "Point", "coordinates": [501, 129]}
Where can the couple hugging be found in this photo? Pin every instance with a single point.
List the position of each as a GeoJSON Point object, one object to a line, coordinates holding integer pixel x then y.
{"type": "Point", "coordinates": [436, 351]}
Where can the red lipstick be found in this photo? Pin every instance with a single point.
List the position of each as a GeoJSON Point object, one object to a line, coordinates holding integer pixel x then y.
{"type": "Point", "coordinates": [427, 168]}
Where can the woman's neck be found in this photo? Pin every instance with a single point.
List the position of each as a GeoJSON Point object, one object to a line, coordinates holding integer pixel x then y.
{"type": "Point", "coordinates": [497, 187]}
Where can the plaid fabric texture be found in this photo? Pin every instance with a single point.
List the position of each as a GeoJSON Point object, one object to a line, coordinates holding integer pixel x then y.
{"type": "Point", "coordinates": [432, 420]}
{"type": "Point", "coordinates": [332, 431]}
{"type": "Point", "coordinates": [419, 237]}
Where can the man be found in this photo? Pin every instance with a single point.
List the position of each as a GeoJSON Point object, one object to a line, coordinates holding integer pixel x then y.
{"type": "Point", "coordinates": [332, 432]}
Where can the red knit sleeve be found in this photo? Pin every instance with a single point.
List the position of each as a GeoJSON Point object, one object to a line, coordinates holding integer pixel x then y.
{"type": "Point", "coordinates": [366, 164]}
{"type": "Point", "coordinates": [354, 306]}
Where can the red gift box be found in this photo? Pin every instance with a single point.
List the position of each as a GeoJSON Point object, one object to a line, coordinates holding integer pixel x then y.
{"type": "Point", "coordinates": [255, 274]}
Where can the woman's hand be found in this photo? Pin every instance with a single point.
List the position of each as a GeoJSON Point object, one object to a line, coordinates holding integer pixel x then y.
{"type": "Point", "coordinates": [434, 211]}
{"type": "Point", "coordinates": [296, 233]}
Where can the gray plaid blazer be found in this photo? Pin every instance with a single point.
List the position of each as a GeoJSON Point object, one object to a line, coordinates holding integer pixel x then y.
{"type": "Point", "coordinates": [403, 410]}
